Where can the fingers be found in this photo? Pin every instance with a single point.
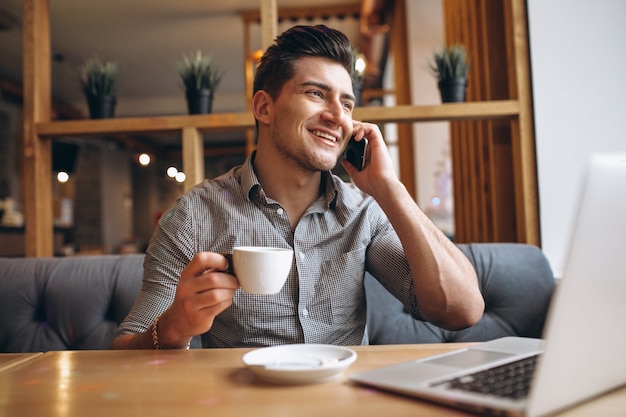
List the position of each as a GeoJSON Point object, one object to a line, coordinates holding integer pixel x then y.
{"type": "Point", "coordinates": [204, 291]}
{"type": "Point", "coordinates": [206, 261]}
{"type": "Point", "coordinates": [207, 271]}
{"type": "Point", "coordinates": [367, 130]}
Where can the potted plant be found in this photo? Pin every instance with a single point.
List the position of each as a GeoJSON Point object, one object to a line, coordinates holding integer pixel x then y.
{"type": "Point", "coordinates": [200, 79]}
{"type": "Point", "coordinates": [98, 79]}
{"type": "Point", "coordinates": [451, 66]}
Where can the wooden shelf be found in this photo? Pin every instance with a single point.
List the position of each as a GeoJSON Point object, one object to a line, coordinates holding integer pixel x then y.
{"type": "Point", "coordinates": [439, 112]}
{"type": "Point", "coordinates": [129, 125]}
{"type": "Point", "coordinates": [241, 121]}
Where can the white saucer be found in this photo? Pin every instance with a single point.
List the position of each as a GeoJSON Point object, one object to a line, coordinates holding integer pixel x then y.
{"type": "Point", "coordinates": [299, 363]}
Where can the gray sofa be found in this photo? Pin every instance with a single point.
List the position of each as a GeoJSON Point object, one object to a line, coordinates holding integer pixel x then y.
{"type": "Point", "coordinates": [78, 302]}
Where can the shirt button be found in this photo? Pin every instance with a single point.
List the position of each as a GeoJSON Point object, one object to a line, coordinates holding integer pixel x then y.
{"type": "Point", "coordinates": [305, 312]}
{"type": "Point", "coordinates": [280, 211]}
{"type": "Point", "coordinates": [302, 255]}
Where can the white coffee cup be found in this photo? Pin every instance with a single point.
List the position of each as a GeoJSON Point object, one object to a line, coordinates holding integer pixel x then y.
{"type": "Point", "coordinates": [262, 270]}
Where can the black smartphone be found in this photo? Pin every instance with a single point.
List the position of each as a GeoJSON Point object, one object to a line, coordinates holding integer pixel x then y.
{"type": "Point", "coordinates": [355, 152]}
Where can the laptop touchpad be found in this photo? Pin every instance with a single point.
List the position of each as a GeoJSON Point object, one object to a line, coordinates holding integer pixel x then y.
{"type": "Point", "coordinates": [469, 358]}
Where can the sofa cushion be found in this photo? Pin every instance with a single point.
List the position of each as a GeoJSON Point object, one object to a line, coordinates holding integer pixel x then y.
{"type": "Point", "coordinates": [516, 282]}
{"type": "Point", "coordinates": [65, 303]}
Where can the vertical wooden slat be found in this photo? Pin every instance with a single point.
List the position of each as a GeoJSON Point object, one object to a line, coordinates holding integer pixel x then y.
{"type": "Point", "coordinates": [457, 215]}
{"type": "Point", "coordinates": [480, 39]}
{"type": "Point", "coordinates": [193, 156]}
{"type": "Point", "coordinates": [269, 22]}
{"type": "Point", "coordinates": [400, 52]}
{"type": "Point", "coordinates": [36, 151]}
{"type": "Point", "coordinates": [524, 163]}
{"type": "Point", "coordinates": [249, 74]}
{"type": "Point", "coordinates": [478, 132]}
{"type": "Point", "coordinates": [269, 31]}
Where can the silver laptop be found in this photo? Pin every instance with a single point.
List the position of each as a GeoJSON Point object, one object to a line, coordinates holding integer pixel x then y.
{"type": "Point", "coordinates": [582, 353]}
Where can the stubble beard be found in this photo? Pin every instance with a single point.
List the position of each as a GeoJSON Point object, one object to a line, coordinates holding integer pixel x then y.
{"type": "Point", "coordinates": [307, 159]}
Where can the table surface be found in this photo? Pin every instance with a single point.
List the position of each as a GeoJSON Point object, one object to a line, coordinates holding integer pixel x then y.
{"type": "Point", "coordinates": [213, 382]}
{"type": "Point", "coordinates": [8, 360]}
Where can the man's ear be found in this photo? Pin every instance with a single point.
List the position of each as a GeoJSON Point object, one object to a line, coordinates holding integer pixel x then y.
{"type": "Point", "coordinates": [262, 106]}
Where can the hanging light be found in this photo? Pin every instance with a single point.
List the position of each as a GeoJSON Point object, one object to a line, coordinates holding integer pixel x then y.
{"type": "Point", "coordinates": [63, 177]}
{"type": "Point", "coordinates": [171, 172]}
{"type": "Point", "coordinates": [180, 177]}
{"type": "Point", "coordinates": [360, 64]}
{"type": "Point", "coordinates": [144, 159]}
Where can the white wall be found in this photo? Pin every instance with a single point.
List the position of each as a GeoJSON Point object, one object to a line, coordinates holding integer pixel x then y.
{"type": "Point", "coordinates": [579, 91]}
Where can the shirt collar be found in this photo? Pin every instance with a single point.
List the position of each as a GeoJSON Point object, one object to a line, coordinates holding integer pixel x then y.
{"type": "Point", "coordinates": [249, 180]}
{"type": "Point", "coordinates": [252, 188]}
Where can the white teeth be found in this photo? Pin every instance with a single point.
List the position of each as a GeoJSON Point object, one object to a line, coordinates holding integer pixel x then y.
{"type": "Point", "coordinates": [324, 135]}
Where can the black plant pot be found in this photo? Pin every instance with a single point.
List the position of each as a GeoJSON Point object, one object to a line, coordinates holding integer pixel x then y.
{"type": "Point", "coordinates": [101, 107]}
{"type": "Point", "coordinates": [199, 101]}
{"type": "Point", "coordinates": [453, 90]}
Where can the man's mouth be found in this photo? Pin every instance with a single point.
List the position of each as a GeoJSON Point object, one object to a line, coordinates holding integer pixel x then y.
{"type": "Point", "coordinates": [324, 135]}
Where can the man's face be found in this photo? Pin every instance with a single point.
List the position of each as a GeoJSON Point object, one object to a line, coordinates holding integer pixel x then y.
{"type": "Point", "coordinates": [313, 114]}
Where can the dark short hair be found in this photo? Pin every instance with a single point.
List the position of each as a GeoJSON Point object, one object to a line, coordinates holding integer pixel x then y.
{"type": "Point", "coordinates": [278, 62]}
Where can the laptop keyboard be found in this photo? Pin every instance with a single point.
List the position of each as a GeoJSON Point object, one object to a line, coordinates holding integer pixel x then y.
{"type": "Point", "coordinates": [511, 380]}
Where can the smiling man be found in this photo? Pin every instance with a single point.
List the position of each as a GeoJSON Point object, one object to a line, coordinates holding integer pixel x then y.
{"type": "Point", "coordinates": [284, 195]}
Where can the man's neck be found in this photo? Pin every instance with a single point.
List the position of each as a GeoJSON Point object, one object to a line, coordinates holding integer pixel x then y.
{"type": "Point", "coordinates": [294, 188]}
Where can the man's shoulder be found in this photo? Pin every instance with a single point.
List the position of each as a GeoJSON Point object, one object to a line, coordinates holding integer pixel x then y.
{"type": "Point", "coordinates": [228, 182]}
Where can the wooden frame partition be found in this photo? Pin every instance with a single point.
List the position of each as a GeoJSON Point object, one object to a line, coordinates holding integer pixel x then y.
{"type": "Point", "coordinates": [39, 129]}
{"type": "Point", "coordinates": [494, 173]}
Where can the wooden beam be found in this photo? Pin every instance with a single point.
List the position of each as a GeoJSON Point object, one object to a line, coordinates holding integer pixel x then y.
{"type": "Point", "coordinates": [241, 121]}
{"type": "Point", "coordinates": [269, 23]}
{"type": "Point", "coordinates": [249, 68]}
{"type": "Point", "coordinates": [400, 53]}
{"type": "Point", "coordinates": [299, 13]}
{"type": "Point", "coordinates": [205, 122]}
{"type": "Point", "coordinates": [524, 145]}
{"type": "Point", "coordinates": [193, 157]}
{"type": "Point", "coordinates": [439, 112]}
{"type": "Point", "coordinates": [36, 153]}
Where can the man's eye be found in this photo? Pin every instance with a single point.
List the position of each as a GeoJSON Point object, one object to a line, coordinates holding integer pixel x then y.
{"type": "Point", "coordinates": [348, 105]}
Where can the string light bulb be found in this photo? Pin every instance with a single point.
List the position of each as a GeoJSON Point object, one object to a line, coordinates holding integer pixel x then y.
{"type": "Point", "coordinates": [171, 172]}
{"type": "Point", "coordinates": [144, 159]}
{"type": "Point", "coordinates": [63, 177]}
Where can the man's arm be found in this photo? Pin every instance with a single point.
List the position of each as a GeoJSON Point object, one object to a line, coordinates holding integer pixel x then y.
{"type": "Point", "coordinates": [445, 282]}
{"type": "Point", "coordinates": [203, 292]}
{"type": "Point", "coordinates": [133, 341]}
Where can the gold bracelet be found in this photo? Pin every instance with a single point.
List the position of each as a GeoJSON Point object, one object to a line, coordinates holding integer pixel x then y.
{"type": "Point", "coordinates": [155, 334]}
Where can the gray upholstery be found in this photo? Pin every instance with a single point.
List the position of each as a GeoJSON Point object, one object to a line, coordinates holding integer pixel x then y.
{"type": "Point", "coordinates": [78, 302]}
{"type": "Point", "coordinates": [516, 283]}
{"type": "Point", "coordinates": [65, 303]}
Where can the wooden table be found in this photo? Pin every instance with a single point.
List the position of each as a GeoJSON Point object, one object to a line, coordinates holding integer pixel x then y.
{"type": "Point", "coordinates": [8, 360]}
{"type": "Point", "coordinates": [212, 382]}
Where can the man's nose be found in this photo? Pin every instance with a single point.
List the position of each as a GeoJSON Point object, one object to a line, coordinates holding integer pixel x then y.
{"type": "Point", "coordinates": [335, 112]}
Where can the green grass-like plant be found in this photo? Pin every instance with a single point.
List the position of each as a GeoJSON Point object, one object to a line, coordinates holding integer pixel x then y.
{"type": "Point", "coordinates": [451, 62]}
{"type": "Point", "coordinates": [198, 72]}
{"type": "Point", "coordinates": [98, 77]}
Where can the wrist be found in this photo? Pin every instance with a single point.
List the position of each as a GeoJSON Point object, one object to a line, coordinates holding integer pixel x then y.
{"type": "Point", "coordinates": [390, 190]}
{"type": "Point", "coordinates": [160, 339]}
